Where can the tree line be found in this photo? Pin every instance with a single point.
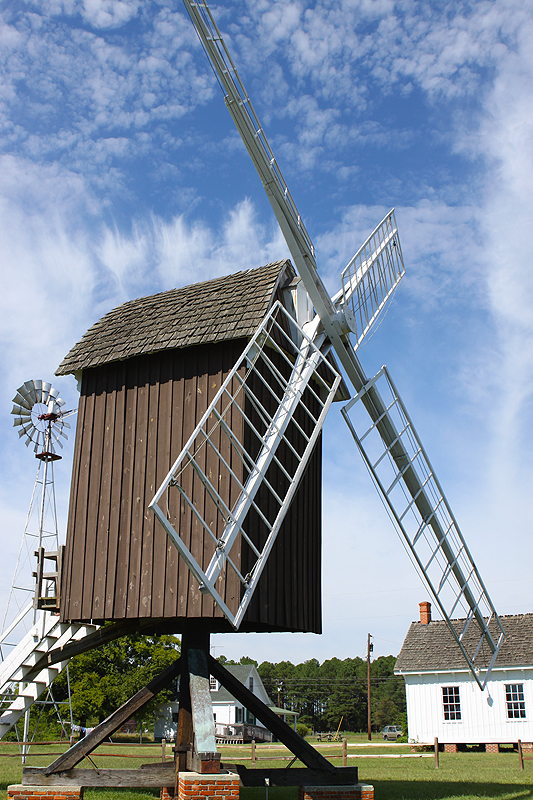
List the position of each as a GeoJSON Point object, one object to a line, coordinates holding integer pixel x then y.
{"type": "Point", "coordinates": [324, 693]}
{"type": "Point", "coordinates": [103, 679]}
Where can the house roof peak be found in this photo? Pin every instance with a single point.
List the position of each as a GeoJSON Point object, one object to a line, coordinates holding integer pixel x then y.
{"type": "Point", "coordinates": [432, 647]}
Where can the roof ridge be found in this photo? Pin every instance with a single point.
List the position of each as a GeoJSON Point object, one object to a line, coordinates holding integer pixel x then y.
{"type": "Point", "coordinates": [432, 647]}
{"type": "Point", "coordinates": [220, 309]}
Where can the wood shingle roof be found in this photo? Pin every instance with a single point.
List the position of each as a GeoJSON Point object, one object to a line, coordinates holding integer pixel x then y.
{"type": "Point", "coordinates": [229, 307]}
{"type": "Point", "coordinates": [432, 647]}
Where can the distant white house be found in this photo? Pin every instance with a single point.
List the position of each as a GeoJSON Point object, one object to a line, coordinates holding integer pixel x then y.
{"type": "Point", "coordinates": [232, 720]}
{"type": "Point", "coordinates": [443, 698]}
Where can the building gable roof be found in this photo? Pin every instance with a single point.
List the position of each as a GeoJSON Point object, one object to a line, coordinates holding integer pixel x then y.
{"type": "Point", "coordinates": [432, 647]}
{"type": "Point", "coordinates": [242, 672]}
{"type": "Point", "coordinates": [230, 307]}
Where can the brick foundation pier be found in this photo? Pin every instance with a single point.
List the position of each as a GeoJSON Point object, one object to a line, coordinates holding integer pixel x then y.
{"type": "Point", "coordinates": [357, 791]}
{"type": "Point", "coordinates": [20, 792]}
{"type": "Point", "coordinates": [451, 748]}
{"type": "Point", "coordinates": [199, 786]}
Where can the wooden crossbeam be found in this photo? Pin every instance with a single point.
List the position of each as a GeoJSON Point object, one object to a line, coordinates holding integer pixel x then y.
{"type": "Point", "coordinates": [298, 776]}
{"type": "Point", "coordinates": [147, 776]}
{"type": "Point", "coordinates": [304, 751]}
{"type": "Point", "coordinates": [158, 775]}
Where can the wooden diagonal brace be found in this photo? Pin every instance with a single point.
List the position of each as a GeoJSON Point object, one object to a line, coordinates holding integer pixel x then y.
{"type": "Point", "coordinates": [115, 720]}
{"type": "Point", "coordinates": [307, 754]}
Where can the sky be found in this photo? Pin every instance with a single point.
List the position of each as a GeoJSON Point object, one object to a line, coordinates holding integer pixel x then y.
{"type": "Point", "coordinates": [121, 175]}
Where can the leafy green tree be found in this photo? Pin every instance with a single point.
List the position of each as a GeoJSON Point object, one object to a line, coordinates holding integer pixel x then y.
{"type": "Point", "coordinates": [384, 713]}
{"type": "Point", "coordinates": [102, 679]}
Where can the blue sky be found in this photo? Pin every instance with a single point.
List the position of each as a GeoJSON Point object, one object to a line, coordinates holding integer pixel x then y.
{"type": "Point", "coordinates": [121, 175]}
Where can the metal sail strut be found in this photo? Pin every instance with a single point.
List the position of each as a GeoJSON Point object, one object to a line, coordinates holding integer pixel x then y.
{"type": "Point", "coordinates": [274, 399]}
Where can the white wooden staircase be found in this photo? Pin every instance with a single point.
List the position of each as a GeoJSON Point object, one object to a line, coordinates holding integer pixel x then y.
{"type": "Point", "coordinates": [47, 634]}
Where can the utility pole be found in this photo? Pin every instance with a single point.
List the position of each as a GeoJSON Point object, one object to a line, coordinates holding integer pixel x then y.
{"type": "Point", "coordinates": [369, 649]}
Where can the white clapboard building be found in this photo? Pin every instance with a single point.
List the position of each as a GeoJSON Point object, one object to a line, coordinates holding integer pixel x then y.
{"type": "Point", "coordinates": [444, 700]}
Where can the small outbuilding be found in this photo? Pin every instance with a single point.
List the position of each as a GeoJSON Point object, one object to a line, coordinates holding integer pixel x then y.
{"type": "Point", "coordinates": [444, 700]}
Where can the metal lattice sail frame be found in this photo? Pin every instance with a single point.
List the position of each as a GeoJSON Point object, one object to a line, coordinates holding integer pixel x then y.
{"type": "Point", "coordinates": [426, 522]}
{"type": "Point", "coordinates": [277, 396]}
{"type": "Point", "coordinates": [371, 277]}
{"type": "Point", "coordinates": [367, 283]}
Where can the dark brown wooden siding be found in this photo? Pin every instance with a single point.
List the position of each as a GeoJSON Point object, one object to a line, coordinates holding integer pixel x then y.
{"type": "Point", "coordinates": [134, 418]}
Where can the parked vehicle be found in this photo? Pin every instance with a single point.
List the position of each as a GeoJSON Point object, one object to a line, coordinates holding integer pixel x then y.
{"type": "Point", "coordinates": [392, 732]}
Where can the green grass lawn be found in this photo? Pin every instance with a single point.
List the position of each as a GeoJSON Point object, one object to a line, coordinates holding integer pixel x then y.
{"type": "Point", "coordinates": [462, 776]}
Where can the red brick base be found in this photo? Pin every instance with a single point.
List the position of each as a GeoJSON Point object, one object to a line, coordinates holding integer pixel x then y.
{"type": "Point", "coordinates": [357, 791]}
{"type": "Point", "coordinates": [450, 748]}
{"type": "Point", "coordinates": [527, 747]}
{"type": "Point", "coordinates": [490, 747]}
{"type": "Point", "coordinates": [19, 792]}
{"type": "Point", "coordinates": [196, 786]}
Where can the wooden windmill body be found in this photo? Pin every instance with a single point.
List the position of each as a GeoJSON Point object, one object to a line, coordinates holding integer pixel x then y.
{"type": "Point", "coordinates": [149, 369]}
{"type": "Point", "coordinates": [147, 372]}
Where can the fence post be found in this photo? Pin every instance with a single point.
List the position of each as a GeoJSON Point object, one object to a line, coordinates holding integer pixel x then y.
{"type": "Point", "coordinates": [436, 745]}
{"type": "Point", "coordinates": [344, 751]}
{"type": "Point", "coordinates": [253, 752]}
{"type": "Point", "coordinates": [520, 755]}
{"type": "Point", "coordinates": [163, 749]}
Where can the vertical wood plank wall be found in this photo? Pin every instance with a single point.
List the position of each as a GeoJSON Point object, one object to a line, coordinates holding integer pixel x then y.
{"type": "Point", "coordinates": [134, 417]}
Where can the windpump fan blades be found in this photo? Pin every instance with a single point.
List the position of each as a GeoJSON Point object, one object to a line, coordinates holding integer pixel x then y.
{"type": "Point", "coordinates": [40, 418]}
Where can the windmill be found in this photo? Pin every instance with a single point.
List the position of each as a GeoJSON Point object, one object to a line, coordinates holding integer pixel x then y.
{"type": "Point", "coordinates": [41, 422]}
{"type": "Point", "coordinates": [30, 625]}
{"type": "Point", "coordinates": [233, 500]}
{"type": "Point", "coordinates": [376, 414]}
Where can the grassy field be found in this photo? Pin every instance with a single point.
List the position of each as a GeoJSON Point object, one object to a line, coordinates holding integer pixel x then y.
{"type": "Point", "coordinates": [462, 776]}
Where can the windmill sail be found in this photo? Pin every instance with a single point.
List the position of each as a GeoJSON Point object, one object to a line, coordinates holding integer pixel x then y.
{"type": "Point", "coordinates": [371, 277]}
{"type": "Point", "coordinates": [273, 401]}
{"type": "Point", "coordinates": [406, 480]}
{"type": "Point", "coordinates": [367, 283]}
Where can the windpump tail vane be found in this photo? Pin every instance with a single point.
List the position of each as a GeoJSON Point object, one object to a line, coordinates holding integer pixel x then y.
{"type": "Point", "coordinates": [248, 451]}
{"type": "Point", "coordinates": [407, 483]}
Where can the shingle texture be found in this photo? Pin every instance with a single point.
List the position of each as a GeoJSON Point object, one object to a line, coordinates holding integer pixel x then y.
{"type": "Point", "coordinates": [432, 647]}
{"type": "Point", "coordinates": [230, 307]}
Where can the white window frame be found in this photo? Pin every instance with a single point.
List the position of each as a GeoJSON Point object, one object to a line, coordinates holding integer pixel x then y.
{"type": "Point", "coordinates": [451, 704]}
{"type": "Point", "coordinates": [515, 701]}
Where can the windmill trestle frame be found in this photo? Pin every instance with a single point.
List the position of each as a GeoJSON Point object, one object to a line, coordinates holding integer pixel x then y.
{"type": "Point", "coordinates": [195, 742]}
